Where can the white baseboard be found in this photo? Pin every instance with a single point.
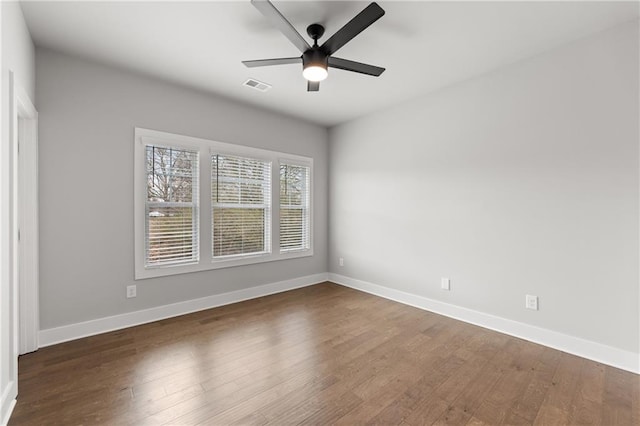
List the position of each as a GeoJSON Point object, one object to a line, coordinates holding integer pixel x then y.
{"type": "Point", "coordinates": [7, 402]}
{"type": "Point", "coordinates": [65, 333]}
{"type": "Point", "coordinates": [615, 357]}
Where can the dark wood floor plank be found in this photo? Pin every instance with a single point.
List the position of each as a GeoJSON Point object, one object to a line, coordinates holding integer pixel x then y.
{"type": "Point", "coordinates": [462, 408]}
{"type": "Point", "coordinates": [585, 407]}
{"type": "Point", "coordinates": [540, 379]}
{"type": "Point", "coordinates": [323, 354]}
{"type": "Point", "coordinates": [409, 402]}
{"type": "Point", "coordinates": [556, 407]}
{"type": "Point", "coordinates": [619, 389]}
{"type": "Point", "coordinates": [635, 399]}
{"type": "Point", "coordinates": [514, 365]}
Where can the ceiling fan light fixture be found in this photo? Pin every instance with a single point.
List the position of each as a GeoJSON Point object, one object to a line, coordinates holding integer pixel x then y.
{"type": "Point", "coordinates": [315, 72]}
{"type": "Point", "coordinates": [314, 65]}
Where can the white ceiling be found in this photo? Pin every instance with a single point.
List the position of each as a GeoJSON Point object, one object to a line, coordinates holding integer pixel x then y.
{"type": "Point", "coordinates": [423, 45]}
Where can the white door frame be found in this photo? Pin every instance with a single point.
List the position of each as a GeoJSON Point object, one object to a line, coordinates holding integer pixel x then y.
{"type": "Point", "coordinates": [24, 138]}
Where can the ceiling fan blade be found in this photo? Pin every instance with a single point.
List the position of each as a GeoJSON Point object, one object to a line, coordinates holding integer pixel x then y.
{"type": "Point", "coordinates": [267, 62]}
{"type": "Point", "coordinates": [354, 66]}
{"type": "Point", "coordinates": [280, 22]}
{"type": "Point", "coordinates": [313, 86]}
{"type": "Point", "coordinates": [359, 23]}
{"type": "Point", "coordinates": [345, 64]}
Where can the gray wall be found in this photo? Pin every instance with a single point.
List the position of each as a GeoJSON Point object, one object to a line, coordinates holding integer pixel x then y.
{"type": "Point", "coordinates": [87, 117]}
{"type": "Point", "coordinates": [18, 55]}
{"type": "Point", "coordinates": [521, 181]}
{"type": "Point", "coordinates": [18, 52]}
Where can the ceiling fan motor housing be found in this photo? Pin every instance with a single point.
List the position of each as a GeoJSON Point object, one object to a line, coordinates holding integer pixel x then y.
{"type": "Point", "coordinates": [315, 57]}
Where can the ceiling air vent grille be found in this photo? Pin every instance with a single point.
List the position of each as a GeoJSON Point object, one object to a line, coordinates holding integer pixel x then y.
{"type": "Point", "coordinates": [258, 85]}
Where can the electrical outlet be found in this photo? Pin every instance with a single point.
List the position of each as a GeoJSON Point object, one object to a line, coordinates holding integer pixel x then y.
{"type": "Point", "coordinates": [341, 262]}
{"type": "Point", "coordinates": [532, 302]}
{"type": "Point", "coordinates": [131, 291]}
{"type": "Point", "coordinates": [445, 284]}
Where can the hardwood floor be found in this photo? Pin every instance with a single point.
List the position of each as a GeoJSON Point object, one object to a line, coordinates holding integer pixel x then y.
{"type": "Point", "coordinates": [319, 355]}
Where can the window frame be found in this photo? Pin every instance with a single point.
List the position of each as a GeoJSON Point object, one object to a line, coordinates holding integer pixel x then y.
{"type": "Point", "coordinates": [195, 205]}
{"type": "Point", "coordinates": [282, 161]}
{"type": "Point", "coordinates": [269, 207]}
{"type": "Point", "coordinates": [206, 148]}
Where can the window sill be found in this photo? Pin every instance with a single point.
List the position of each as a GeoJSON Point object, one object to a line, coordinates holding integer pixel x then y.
{"type": "Point", "coordinates": [154, 272]}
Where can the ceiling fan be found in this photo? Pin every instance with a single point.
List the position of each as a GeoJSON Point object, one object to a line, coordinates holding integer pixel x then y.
{"type": "Point", "coordinates": [316, 59]}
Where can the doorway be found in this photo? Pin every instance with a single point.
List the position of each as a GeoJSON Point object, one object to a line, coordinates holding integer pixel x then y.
{"type": "Point", "coordinates": [25, 220]}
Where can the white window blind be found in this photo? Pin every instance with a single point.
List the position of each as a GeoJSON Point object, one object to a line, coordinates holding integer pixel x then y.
{"type": "Point", "coordinates": [240, 200]}
{"type": "Point", "coordinates": [295, 223]}
{"type": "Point", "coordinates": [171, 208]}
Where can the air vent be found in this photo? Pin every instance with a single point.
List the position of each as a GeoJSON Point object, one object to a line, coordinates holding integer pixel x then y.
{"type": "Point", "coordinates": [258, 85]}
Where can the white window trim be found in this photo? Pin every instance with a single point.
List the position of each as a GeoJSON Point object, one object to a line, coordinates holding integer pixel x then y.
{"type": "Point", "coordinates": [205, 148]}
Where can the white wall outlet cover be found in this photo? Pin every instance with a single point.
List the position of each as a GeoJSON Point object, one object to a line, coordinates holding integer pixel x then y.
{"type": "Point", "coordinates": [341, 261]}
{"type": "Point", "coordinates": [445, 283]}
{"type": "Point", "coordinates": [531, 302]}
{"type": "Point", "coordinates": [131, 291]}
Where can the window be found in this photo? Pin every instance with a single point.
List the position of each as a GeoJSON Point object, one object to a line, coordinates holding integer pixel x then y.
{"type": "Point", "coordinates": [171, 212]}
{"type": "Point", "coordinates": [294, 207]}
{"type": "Point", "coordinates": [240, 199]}
{"type": "Point", "coordinates": [202, 205]}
